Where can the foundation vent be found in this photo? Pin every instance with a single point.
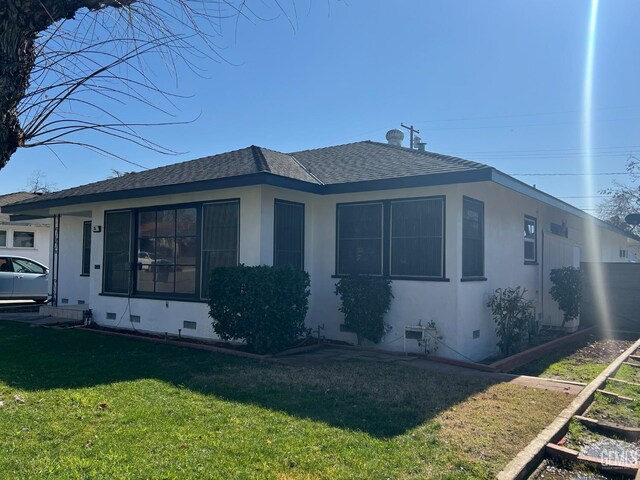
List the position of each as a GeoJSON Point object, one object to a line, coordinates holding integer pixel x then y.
{"type": "Point", "coordinates": [111, 316]}
{"type": "Point", "coordinates": [64, 300]}
{"type": "Point", "coordinates": [134, 318]}
{"type": "Point", "coordinates": [189, 325]}
{"type": "Point", "coordinates": [80, 302]}
{"type": "Point", "coordinates": [476, 334]}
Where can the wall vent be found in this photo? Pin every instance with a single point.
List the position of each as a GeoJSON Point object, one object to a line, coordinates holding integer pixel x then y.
{"type": "Point", "coordinates": [476, 334]}
{"type": "Point", "coordinates": [81, 302]}
{"type": "Point", "coordinates": [189, 325]}
{"type": "Point", "coordinates": [111, 316]}
{"type": "Point", "coordinates": [134, 318]}
{"type": "Point", "coordinates": [64, 300]}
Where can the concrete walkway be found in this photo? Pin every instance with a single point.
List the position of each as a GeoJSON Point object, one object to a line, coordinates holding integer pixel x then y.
{"type": "Point", "coordinates": [328, 355]}
{"type": "Point", "coordinates": [33, 318]}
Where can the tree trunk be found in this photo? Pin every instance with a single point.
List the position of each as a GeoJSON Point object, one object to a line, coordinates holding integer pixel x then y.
{"type": "Point", "coordinates": [20, 23]}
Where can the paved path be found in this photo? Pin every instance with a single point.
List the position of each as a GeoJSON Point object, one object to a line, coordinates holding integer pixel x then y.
{"type": "Point", "coordinates": [328, 355]}
{"type": "Point", "coordinates": [33, 318]}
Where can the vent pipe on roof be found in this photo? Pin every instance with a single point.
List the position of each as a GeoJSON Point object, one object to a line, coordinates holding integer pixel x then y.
{"type": "Point", "coordinates": [422, 146]}
{"type": "Point", "coordinates": [395, 137]}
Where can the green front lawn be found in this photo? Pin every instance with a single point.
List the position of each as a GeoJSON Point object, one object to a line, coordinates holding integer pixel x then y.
{"type": "Point", "coordinates": [81, 405]}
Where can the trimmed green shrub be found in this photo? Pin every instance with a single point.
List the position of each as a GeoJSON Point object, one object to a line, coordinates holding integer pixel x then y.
{"type": "Point", "coordinates": [365, 300]}
{"type": "Point", "coordinates": [264, 306]}
{"type": "Point", "coordinates": [567, 291]}
{"type": "Point", "coordinates": [512, 313]}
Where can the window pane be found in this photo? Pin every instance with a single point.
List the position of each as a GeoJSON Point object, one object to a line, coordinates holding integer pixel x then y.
{"type": "Point", "coordinates": [186, 279]}
{"type": "Point", "coordinates": [219, 238]}
{"type": "Point", "coordinates": [186, 222]}
{"type": "Point", "coordinates": [186, 250]}
{"type": "Point", "coordinates": [86, 248]}
{"type": "Point", "coordinates": [147, 224]}
{"type": "Point", "coordinates": [23, 239]}
{"type": "Point", "coordinates": [117, 258]}
{"type": "Point", "coordinates": [360, 239]}
{"type": "Point", "coordinates": [166, 223]}
{"type": "Point", "coordinates": [530, 240]}
{"type": "Point", "coordinates": [3, 238]}
{"type": "Point", "coordinates": [289, 234]}
{"type": "Point", "coordinates": [529, 251]}
{"type": "Point", "coordinates": [416, 238]}
{"type": "Point", "coordinates": [165, 251]}
{"type": "Point", "coordinates": [472, 239]}
{"type": "Point", "coordinates": [165, 277]}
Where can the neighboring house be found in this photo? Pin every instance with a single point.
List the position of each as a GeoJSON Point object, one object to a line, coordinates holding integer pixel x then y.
{"type": "Point", "coordinates": [447, 231]}
{"type": "Point", "coordinates": [27, 238]}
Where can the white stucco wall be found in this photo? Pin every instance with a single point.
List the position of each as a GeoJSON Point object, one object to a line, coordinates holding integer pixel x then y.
{"type": "Point", "coordinates": [41, 250]}
{"type": "Point", "coordinates": [457, 307]}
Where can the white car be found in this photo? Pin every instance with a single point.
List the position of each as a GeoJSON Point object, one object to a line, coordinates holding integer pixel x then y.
{"type": "Point", "coordinates": [23, 279]}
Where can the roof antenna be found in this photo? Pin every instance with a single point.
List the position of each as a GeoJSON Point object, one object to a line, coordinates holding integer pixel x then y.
{"type": "Point", "coordinates": [412, 135]}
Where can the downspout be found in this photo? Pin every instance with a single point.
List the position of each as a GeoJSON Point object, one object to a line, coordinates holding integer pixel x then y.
{"type": "Point", "coordinates": [56, 260]}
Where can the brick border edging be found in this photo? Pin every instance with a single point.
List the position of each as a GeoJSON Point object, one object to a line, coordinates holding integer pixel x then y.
{"type": "Point", "coordinates": [528, 459]}
{"type": "Point", "coordinates": [522, 358]}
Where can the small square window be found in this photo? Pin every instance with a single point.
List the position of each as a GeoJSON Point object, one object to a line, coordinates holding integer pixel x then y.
{"type": "Point", "coordinates": [24, 239]}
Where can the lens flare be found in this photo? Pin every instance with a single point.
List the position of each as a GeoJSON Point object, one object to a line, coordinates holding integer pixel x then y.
{"type": "Point", "coordinates": [592, 243]}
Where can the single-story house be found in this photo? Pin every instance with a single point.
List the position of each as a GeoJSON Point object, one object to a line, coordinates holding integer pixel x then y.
{"type": "Point", "coordinates": [26, 238]}
{"type": "Point", "coordinates": [138, 248]}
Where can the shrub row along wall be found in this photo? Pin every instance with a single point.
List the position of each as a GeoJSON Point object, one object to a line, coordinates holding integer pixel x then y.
{"type": "Point", "coordinates": [621, 282]}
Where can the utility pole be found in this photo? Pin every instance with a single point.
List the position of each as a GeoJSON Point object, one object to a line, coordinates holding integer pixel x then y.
{"type": "Point", "coordinates": [412, 131]}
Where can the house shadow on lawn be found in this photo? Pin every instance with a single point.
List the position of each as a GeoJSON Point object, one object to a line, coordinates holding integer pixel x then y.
{"type": "Point", "coordinates": [383, 400]}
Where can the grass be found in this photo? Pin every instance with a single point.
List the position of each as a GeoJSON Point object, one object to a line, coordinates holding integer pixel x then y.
{"type": "Point", "coordinates": [79, 405]}
{"type": "Point", "coordinates": [581, 361]}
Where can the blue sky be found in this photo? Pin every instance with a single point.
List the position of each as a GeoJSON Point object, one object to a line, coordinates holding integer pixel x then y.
{"type": "Point", "coordinates": [498, 82]}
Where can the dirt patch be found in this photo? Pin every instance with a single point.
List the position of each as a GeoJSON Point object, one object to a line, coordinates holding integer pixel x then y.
{"type": "Point", "coordinates": [600, 351]}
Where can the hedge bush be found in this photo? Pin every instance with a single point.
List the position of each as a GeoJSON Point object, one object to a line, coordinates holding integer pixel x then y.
{"type": "Point", "coordinates": [512, 313]}
{"type": "Point", "coordinates": [365, 300]}
{"type": "Point", "coordinates": [567, 291]}
{"type": "Point", "coordinates": [264, 306]}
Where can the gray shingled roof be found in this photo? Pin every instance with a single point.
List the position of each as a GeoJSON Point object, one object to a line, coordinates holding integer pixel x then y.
{"type": "Point", "coordinates": [368, 160]}
{"type": "Point", "coordinates": [10, 198]}
{"type": "Point", "coordinates": [352, 162]}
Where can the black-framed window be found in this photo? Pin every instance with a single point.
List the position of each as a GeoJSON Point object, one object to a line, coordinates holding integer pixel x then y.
{"type": "Point", "coordinates": [530, 239]}
{"type": "Point", "coordinates": [220, 238]}
{"type": "Point", "coordinates": [86, 248]}
{"type": "Point", "coordinates": [288, 234]}
{"type": "Point", "coordinates": [175, 247]}
{"type": "Point", "coordinates": [360, 239]}
{"type": "Point", "coordinates": [168, 238]}
{"type": "Point", "coordinates": [417, 238]}
{"type": "Point", "coordinates": [401, 238]}
{"type": "Point", "coordinates": [472, 238]}
{"type": "Point", "coordinates": [117, 252]}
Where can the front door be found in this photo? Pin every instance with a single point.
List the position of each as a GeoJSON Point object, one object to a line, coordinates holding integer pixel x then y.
{"type": "Point", "coordinates": [6, 278]}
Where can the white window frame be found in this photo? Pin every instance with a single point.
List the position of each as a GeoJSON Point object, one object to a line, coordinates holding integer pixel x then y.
{"type": "Point", "coordinates": [13, 239]}
{"type": "Point", "coordinates": [534, 240]}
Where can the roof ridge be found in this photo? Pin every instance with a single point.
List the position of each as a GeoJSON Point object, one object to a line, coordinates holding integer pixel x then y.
{"type": "Point", "coordinates": [424, 152]}
{"type": "Point", "coordinates": [261, 161]}
{"type": "Point", "coordinates": [320, 182]}
{"type": "Point", "coordinates": [330, 146]}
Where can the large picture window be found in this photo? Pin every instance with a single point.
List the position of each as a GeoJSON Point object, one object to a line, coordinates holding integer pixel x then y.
{"type": "Point", "coordinates": [417, 245]}
{"type": "Point", "coordinates": [288, 234]}
{"type": "Point", "coordinates": [394, 238]}
{"type": "Point", "coordinates": [167, 242]}
{"type": "Point", "coordinates": [117, 252]}
{"type": "Point", "coordinates": [175, 248]}
{"type": "Point", "coordinates": [472, 238]}
{"type": "Point", "coordinates": [360, 239]}
{"type": "Point", "coordinates": [530, 240]}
